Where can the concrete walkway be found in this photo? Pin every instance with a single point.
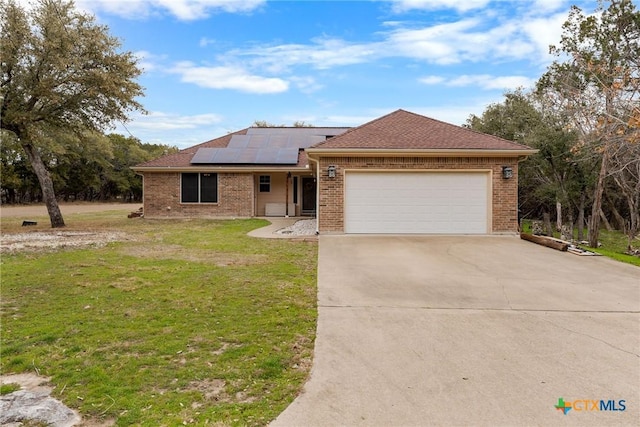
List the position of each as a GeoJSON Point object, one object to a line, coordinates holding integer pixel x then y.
{"type": "Point", "coordinates": [482, 331]}
{"type": "Point", "coordinates": [269, 232]}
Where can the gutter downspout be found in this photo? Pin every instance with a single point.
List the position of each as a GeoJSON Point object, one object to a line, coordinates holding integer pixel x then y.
{"type": "Point", "coordinates": [317, 162]}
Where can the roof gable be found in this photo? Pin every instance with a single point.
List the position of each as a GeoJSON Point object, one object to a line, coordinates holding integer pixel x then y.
{"type": "Point", "coordinates": [405, 130]}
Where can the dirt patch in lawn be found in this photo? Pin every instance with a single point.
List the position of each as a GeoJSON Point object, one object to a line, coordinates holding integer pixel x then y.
{"type": "Point", "coordinates": [39, 210]}
{"type": "Point", "coordinates": [215, 389]}
{"type": "Point", "coordinates": [221, 259]}
{"type": "Point", "coordinates": [53, 240]}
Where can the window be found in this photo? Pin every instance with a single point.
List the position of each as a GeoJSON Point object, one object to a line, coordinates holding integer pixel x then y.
{"type": "Point", "coordinates": [265, 183]}
{"type": "Point", "coordinates": [199, 188]}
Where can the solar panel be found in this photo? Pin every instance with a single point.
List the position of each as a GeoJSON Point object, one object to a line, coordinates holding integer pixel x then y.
{"type": "Point", "coordinates": [203, 155]}
{"type": "Point", "coordinates": [239, 141]}
{"type": "Point", "coordinates": [278, 146]}
{"type": "Point", "coordinates": [308, 141]}
{"type": "Point", "coordinates": [287, 156]}
{"type": "Point", "coordinates": [258, 141]}
{"type": "Point", "coordinates": [278, 141]}
{"type": "Point", "coordinates": [265, 156]}
{"type": "Point", "coordinates": [323, 131]}
{"type": "Point", "coordinates": [227, 155]}
{"type": "Point", "coordinates": [274, 141]}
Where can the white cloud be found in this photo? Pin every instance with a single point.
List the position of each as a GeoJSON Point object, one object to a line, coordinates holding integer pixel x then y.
{"type": "Point", "coordinates": [306, 84]}
{"type": "Point", "coordinates": [228, 77]}
{"type": "Point", "coordinates": [466, 40]}
{"type": "Point", "coordinates": [442, 44]}
{"type": "Point", "coordinates": [400, 6]}
{"type": "Point", "coordinates": [186, 10]}
{"type": "Point", "coordinates": [544, 32]}
{"type": "Point", "coordinates": [488, 82]}
{"type": "Point", "coordinates": [148, 61]}
{"type": "Point", "coordinates": [204, 42]}
{"type": "Point", "coordinates": [432, 80]}
{"type": "Point", "coordinates": [484, 81]}
{"type": "Point", "coordinates": [179, 130]}
{"type": "Point", "coordinates": [160, 121]}
{"type": "Point", "coordinates": [548, 5]}
{"type": "Point", "coordinates": [322, 53]}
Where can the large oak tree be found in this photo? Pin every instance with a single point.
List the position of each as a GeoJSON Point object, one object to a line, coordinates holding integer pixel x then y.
{"type": "Point", "coordinates": [62, 73]}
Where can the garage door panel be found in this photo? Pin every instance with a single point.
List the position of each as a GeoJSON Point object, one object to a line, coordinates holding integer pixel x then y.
{"type": "Point", "coordinates": [416, 202]}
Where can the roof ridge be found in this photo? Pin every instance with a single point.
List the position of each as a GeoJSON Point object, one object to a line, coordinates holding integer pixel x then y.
{"type": "Point", "coordinates": [353, 129]}
{"type": "Point", "coordinates": [297, 127]}
{"type": "Point", "coordinates": [402, 129]}
{"type": "Point", "coordinates": [467, 129]}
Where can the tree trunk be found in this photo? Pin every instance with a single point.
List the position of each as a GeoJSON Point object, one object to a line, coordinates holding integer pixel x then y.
{"type": "Point", "coordinates": [546, 218]}
{"type": "Point", "coordinates": [594, 222]}
{"type": "Point", "coordinates": [558, 215]}
{"type": "Point", "coordinates": [46, 184]}
{"type": "Point", "coordinates": [583, 198]}
{"type": "Point", "coordinates": [605, 221]}
{"type": "Point", "coordinates": [620, 221]}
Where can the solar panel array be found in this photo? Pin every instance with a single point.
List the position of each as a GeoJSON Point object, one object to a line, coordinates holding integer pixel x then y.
{"type": "Point", "coordinates": [261, 156]}
{"type": "Point", "coordinates": [274, 141]}
{"type": "Point", "coordinates": [332, 131]}
{"type": "Point", "coordinates": [274, 146]}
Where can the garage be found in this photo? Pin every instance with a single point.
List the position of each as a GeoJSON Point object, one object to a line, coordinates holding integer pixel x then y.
{"type": "Point", "coordinates": [410, 202]}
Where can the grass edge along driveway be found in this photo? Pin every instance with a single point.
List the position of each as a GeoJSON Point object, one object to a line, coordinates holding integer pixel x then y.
{"type": "Point", "coordinates": [185, 322]}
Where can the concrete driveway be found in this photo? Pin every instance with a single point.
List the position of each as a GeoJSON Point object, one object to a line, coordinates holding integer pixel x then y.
{"type": "Point", "coordinates": [480, 330]}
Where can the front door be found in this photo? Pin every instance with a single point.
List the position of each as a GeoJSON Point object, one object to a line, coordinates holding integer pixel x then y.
{"type": "Point", "coordinates": [308, 196]}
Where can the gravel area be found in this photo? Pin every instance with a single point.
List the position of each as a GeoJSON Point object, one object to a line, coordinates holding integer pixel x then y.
{"type": "Point", "coordinates": [304, 227]}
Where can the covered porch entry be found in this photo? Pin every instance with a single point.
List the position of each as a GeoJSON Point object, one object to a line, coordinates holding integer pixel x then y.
{"type": "Point", "coordinates": [284, 194]}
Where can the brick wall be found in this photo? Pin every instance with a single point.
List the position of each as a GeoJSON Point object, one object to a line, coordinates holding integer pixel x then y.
{"type": "Point", "coordinates": [504, 198]}
{"type": "Point", "coordinates": [162, 197]}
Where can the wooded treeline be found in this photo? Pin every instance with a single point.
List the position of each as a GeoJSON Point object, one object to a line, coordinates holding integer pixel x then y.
{"type": "Point", "coordinates": [93, 167]}
{"type": "Point", "coordinates": [584, 118]}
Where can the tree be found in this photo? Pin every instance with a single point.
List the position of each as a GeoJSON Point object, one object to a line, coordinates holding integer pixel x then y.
{"type": "Point", "coordinates": [61, 73]}
{"type": "Point", "coordinates": [598, 87]}
{"type": "Point", "coordinates": [119, 180]}
{"type": "Point", "coordinates": [296, 124]}
{"type": "Point", "coordinates": [549, 179]}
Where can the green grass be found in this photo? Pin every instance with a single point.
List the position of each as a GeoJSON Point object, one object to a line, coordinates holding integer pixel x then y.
{"type": "Point", "coordinates": [8, 388]}
{"type": "Point", "coordinates": [189, 322]}
{"type": "Point", "coordinates": [614, 244]}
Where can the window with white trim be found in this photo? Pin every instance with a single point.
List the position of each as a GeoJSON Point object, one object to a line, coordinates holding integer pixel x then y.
{"type": "Point", "coordinates": [265, 183]}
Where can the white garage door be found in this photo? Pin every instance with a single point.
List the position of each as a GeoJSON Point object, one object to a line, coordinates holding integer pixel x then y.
{"type": "Point", "coordinates": [416, 202]}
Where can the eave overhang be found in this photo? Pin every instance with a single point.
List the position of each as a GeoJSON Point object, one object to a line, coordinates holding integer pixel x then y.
{"type": "Point", "coordinates": [228, 169]}
{"type": "Point", "coordinates": [316, 153]}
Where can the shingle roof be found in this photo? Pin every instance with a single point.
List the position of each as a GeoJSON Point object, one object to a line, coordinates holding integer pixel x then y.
{"type": "Point", "coordinates": [405, 130]}
{"type": "Point", "coordinates": [400, 130]}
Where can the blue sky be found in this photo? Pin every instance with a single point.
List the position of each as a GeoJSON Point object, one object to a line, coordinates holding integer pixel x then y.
{"type": "Point", "coordinates": [213, 66]}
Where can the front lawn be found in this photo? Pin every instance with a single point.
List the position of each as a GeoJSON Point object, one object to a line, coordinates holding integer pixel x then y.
{"type": "Point", "coordinates": [188, 322]}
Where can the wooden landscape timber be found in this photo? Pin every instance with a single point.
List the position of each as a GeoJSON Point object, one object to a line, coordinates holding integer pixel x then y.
{"type": "Point", "coordinates": [546, 241]}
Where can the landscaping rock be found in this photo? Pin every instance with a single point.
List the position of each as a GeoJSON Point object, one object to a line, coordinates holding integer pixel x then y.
{"type": "Point", "coordinates": [304, 227]}
{"type": "Point", "coordinates": [34, 404]}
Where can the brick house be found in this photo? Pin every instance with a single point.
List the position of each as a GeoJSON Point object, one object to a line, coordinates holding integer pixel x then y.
{"type": "Point", "coordinates": [400, 173]}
